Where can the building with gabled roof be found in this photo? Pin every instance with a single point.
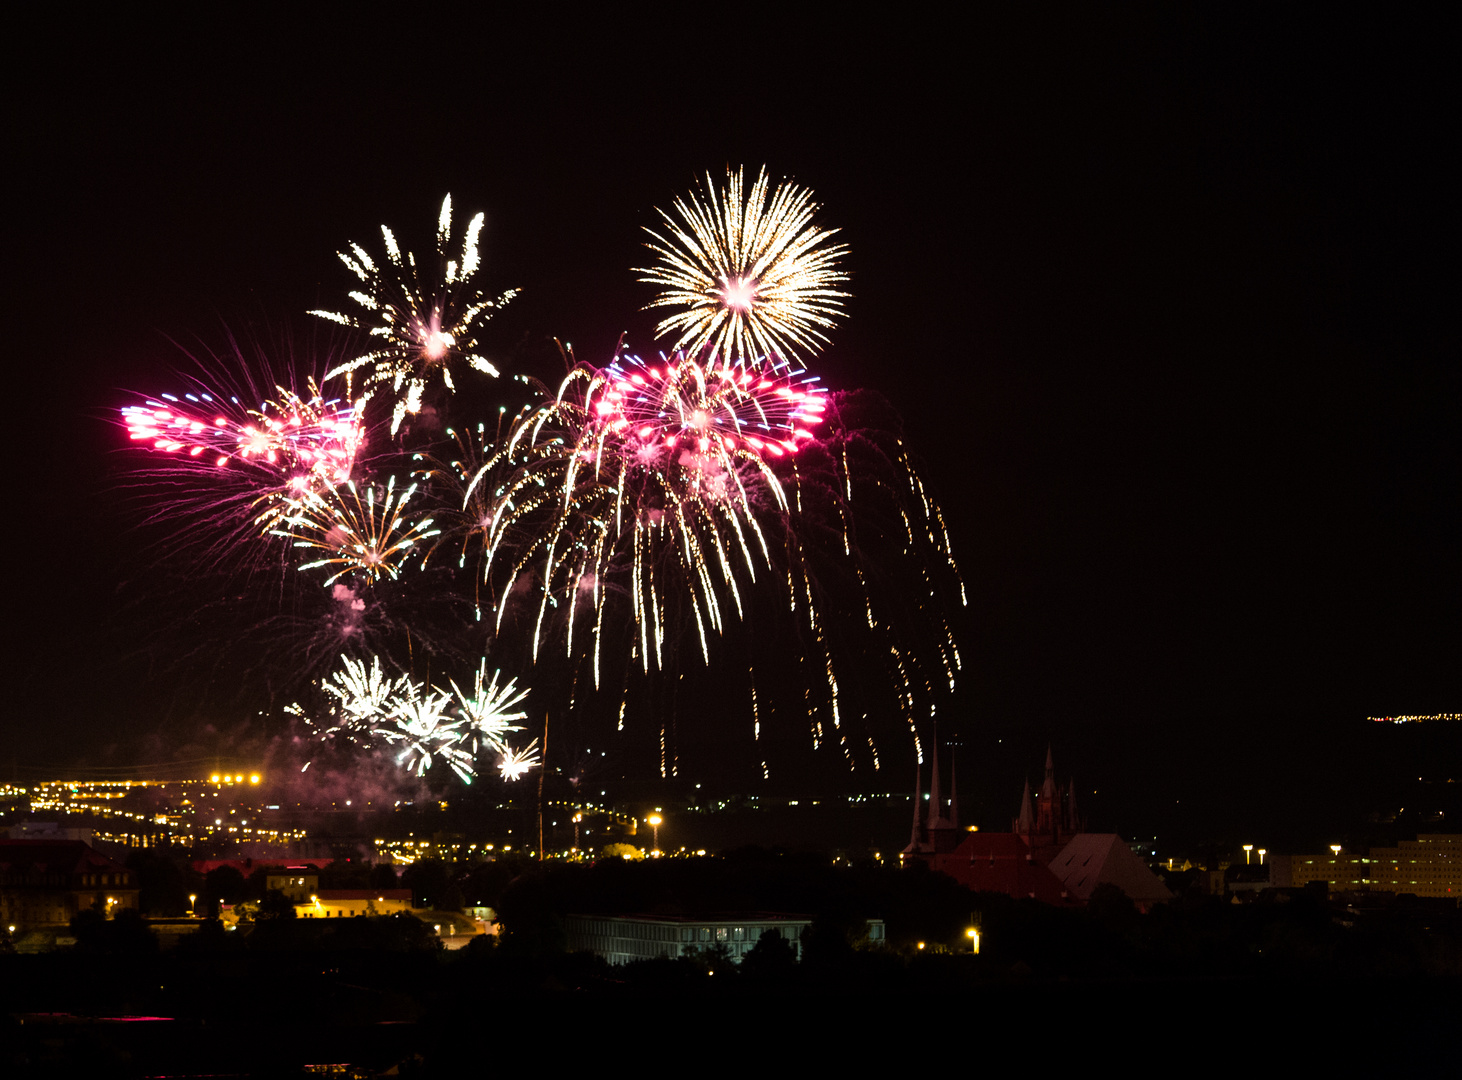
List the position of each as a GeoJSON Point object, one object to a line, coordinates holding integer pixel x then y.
{"type": "Point", "coordinates": [49, 882]}
{"type": "Point", "coordinates": [1046, 856]}
{"type": "Point", "coordinates": [1092, 859]}
{"type": "Point", "coordinates": [1002, 863]}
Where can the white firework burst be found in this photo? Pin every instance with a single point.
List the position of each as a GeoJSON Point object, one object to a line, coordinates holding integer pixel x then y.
{"type": "Point", "coordinates": [487, 711]}
{"type": "Point", "coordinates": [512, 764]}
{"type": "Point", "coordinates": [418, 324]}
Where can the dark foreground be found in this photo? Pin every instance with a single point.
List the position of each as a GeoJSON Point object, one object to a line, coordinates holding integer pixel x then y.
{"type": "Point", "coordinates": [1294, 978]}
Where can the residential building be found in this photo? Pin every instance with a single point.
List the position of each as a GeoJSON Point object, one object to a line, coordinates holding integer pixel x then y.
{"type": "Point", "coordinates": [49, 882]}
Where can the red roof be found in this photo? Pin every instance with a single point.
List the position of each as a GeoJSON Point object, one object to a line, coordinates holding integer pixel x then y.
{"type": "Point", "coordinates": [55, 856]}
{"type": "Point", "coordinates": [248, 866]}
{"type": "Point", "coordinates": [1003, 863]}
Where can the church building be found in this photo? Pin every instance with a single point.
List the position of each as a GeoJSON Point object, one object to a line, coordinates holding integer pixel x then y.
{"type": "Point", "coordinates": [1046, 855]}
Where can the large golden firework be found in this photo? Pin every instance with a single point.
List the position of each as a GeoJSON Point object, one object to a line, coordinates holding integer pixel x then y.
{"type": "Point", "coordinates": [752, 275]}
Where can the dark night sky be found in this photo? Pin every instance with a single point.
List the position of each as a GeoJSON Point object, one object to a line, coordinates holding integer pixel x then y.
{"type": "Point", "coordinates": [1169, 304]}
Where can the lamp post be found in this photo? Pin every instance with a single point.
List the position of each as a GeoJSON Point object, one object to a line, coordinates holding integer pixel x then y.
{"type": "Point", "coordinates": [654, 822]}
{"type": "Point", "coordinates": [973, 934]}
{"type": "Point", "coordinates": [1247, 848]}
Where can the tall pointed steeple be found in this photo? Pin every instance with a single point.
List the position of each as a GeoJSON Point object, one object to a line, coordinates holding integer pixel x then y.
{"type": "Point", "coordinates": [914, 837]}
{"type": "Point", "coordinates": [1026, 823]}
{"type": "Point", "coordinates": [953, 800]}
{"type": "Point", "coordinates": [1048, 803]}
{"type": "Point", "coordinates": [936, 803]}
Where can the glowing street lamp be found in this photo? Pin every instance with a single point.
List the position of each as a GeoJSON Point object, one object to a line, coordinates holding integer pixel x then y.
{"type": "Point", "coordinates": [1335, 849]}
{"type": "Point", "coordinates": [654, 822]}
{"type": "Point", "coordinates": [1262, 853]}
{"type": "Point", "coordinates": [1247, 848]}
{"type": "Point", "coordinates": [973, 934]}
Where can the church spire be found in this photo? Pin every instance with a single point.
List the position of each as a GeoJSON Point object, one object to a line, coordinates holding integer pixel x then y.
{"type": "Point", "coordinates": [1026, 823]}
{"type": "Point", "coordinates": [953, 800]}
{"type": "Point", "coordinates": [918, 793]}
{"type": "Point", "coordinates": [936, 804]}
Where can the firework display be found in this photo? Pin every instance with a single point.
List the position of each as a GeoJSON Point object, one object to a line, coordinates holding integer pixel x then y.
{"type": "Point", "coordinates": [691, 403]}
{"type": "Point", "coordinates": [368, 535]}
{"type": "Point", "coordinates": [716, 504]}
{"type": "Point", "coordinates": [609, 491]}
{"type": "Point", "coordinates": [417, 325]}
{"type": "Point", "coordinates": [300, 443]}
{"type": "Point", "coordinates": [228, 458]}
{"type": "Point", "coordinates": [751, 273]}
{"type": "Point", "coordinates": [420, 725]}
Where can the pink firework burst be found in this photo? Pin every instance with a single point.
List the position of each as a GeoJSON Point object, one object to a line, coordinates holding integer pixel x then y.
{"type": "Point", "coordinates": [767, 407]}
{"type": "Point", "coordinates": [300, 442]}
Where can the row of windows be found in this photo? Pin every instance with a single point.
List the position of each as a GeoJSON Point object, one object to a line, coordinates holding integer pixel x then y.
{"type": "Point", "coordinates": [685, 934]}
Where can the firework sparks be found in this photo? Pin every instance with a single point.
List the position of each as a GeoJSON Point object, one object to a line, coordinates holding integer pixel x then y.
{"type": "Point", "coordinates": [603, 515]}
{"type": "Point", "coordinates": [419, 720]}
{"type": "Point", "coordinates": [512, 764]}
{"type": "Point", "coordinates": [768, 407]}
{"type": "Point", "coordinates": [366, 535]}
{"type": "Point", "coordinates": [304, 442]}
{"type": "Point", "coordinates": [363, 695]}
{"type": "Point", "coordinates": [486, 711]}
{"type": "Point", "coordinates": [269, 456]}
{"type": "Point", "coordinates": [418, 326]}
{"type": "Point", "coordinates": [371, 708]}
{"type": "Point", "coordinates": [751, 273]}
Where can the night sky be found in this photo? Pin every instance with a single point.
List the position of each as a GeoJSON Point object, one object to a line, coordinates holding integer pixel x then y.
{"type": "Point", "coordinates": [1168, 302]}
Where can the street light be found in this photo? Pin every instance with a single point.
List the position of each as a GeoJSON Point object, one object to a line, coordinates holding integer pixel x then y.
{"type": "Point", "coordinates": [1335, 849]}
{"type": "Point", "coordinates": [654, 822]}
{"type": "Point", "coordinates": [974, 935]}
{"type": "Point", "coordinates": [1262, 853]}
{"type": "Point", "coordinates": [1247, 848]}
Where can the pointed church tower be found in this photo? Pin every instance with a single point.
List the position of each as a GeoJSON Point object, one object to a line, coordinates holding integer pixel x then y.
{"type": "Point", "coordinates": [1026, 823]}
{"type": "Point", "coordinates": [953, 800]}
{"type": "Point", "coordinates": [1048, 805]}
{"type": "Point", "coordinates": [935, 808]}
{"type": "Point", "coordinates": [918, 835]}
{"type": "Point", "coordinates": [937, 820]}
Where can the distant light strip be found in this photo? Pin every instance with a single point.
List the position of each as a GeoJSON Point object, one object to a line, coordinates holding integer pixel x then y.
{"type": "Point", "coordinates": [1414, 719]}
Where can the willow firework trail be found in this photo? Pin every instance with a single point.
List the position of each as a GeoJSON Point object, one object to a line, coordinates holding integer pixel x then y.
{"type": "Point", "coordinates": [643, 480]}
{"type": "Point", "coordinates": [418, 324]}
{"type": "Point", "coordinates": [749, 272]}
